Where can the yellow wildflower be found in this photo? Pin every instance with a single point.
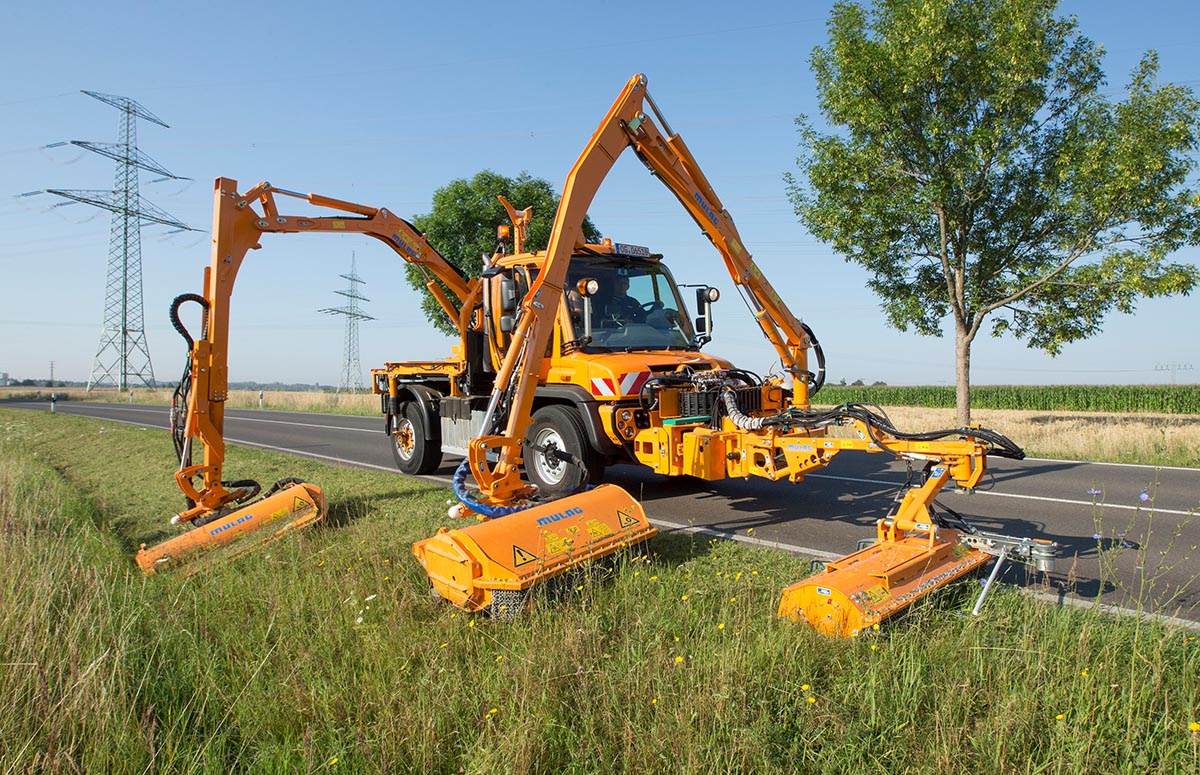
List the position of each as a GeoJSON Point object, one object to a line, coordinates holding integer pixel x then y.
{"type": "Point", "coordinates": [678, 660]}
{"type": "Point", "coordinates": [333, 761]}
{"type": "Point", "coordinates": [1059, 717]}
{"type": "Point", "coordinates": [1194, 727]}
{"type": "Point", "coordinates": [1084, 673]}
{"type": "Point", "coordinates": [683, 598]}
{"type": "Point", "coordinates": [804, 688]}
{"type": "Point", "coordinates": [811, 700]}
{"type": "Point", "coordinates": [721, 626]}
{"type": "Point", "coordinates": [471, 623]}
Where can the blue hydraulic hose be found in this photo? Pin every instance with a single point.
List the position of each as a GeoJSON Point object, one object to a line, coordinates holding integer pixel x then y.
{"type": "Point", "coordinates": [458, 484]}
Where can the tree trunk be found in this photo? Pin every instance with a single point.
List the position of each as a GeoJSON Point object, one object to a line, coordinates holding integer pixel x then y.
{"type": "Point", "coordinates": [962, 374]}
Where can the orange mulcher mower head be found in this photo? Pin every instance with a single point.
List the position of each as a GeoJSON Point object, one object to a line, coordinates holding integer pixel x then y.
{"type": "Point", "coordinates": [917, 550]}
{"type": "Point", "coordinates": [222, 513]}
{"type": "Point", "coordinates": [491, 566]}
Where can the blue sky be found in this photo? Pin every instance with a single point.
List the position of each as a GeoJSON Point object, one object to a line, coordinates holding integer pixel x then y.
{"type": "Point", "coordinates": [382, 103]}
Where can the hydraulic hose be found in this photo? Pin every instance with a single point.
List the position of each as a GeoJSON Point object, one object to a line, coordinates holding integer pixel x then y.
{"type": "Point", "coordinates": [459, 484]}
{"type": "Point", "coordinates": [819, 378]}
{"type": "Point", "coordinates": [178, 302]}
{"type": "Point", "coordinates": [179, 398]}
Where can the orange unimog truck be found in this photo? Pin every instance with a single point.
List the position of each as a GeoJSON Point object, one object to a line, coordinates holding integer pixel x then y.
{"type": "Point", "coordinates": [622, 346]}
{"type": "Point", "coordinates": [583, 356]}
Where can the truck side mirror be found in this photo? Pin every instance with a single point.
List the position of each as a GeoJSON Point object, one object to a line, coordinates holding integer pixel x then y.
{"type": "Point", "coordinates": [705, 296]}
{"type": "Point", "coordinates": [508, 294]}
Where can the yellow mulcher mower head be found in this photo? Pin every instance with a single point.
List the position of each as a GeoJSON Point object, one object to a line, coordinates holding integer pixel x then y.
{"type": "Point", "coordinates": [225, 515]}
{"type": "Point", "coordinates": [917, 549]}
{"type": "Point", "coordinates": [490, 566]}
{"type": "Point", "coordinates": [289, 505]}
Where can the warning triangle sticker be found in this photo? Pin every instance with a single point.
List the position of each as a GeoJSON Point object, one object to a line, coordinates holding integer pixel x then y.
{"type": "Point", "coordinates": [626, 518]}
{"type": "Point", "coordinates": [522, 557]}
{"type": "Point", "coordinates": [299, 504]}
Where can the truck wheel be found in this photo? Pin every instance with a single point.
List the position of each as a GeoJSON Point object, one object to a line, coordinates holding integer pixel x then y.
{"type": "Point", "coordinates": [415, 452]}
{"type": "Point", "coordinates": [559, 428]}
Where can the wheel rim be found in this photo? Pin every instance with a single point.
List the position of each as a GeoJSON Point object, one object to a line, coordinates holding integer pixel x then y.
{"type": "Point", "coordinates": [406, 439]}
{"type": "Point", "coordinates": [549, 469]}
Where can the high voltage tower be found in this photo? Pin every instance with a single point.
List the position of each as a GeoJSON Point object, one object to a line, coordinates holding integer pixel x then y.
{"type": "Point", "coordinates": [123, 354]}
{"type": "Point", "coordinates": [351, 379]}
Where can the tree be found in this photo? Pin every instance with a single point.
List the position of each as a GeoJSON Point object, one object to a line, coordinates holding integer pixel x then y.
{"type": "Point", "coordinates": [977, 171]}
{"type": "Point", "coordinates": [462, 225]}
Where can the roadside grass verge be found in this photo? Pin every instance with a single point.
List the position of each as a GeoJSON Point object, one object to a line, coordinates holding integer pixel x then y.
{"type": "Point", "coordinates": [324, 653]}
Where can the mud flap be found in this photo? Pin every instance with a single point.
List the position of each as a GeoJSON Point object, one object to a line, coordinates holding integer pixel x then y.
{"type": "Point", "coordinates": [295, 506]}
{"type": "Point", "coordinates": [469, 566]}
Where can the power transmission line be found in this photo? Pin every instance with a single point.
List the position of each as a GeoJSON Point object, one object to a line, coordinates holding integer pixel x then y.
{"type": "Point", "coordinates": [351, 379]}
{"type": "Point", "coordinates": [123, 354]}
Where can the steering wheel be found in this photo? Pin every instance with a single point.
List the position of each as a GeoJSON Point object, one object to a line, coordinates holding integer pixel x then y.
{"type": "Point", "coordinates": [651, 306]}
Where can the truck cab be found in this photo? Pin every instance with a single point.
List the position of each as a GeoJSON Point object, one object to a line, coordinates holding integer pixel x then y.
{"type": "Point", "coordinates": [622, 328]}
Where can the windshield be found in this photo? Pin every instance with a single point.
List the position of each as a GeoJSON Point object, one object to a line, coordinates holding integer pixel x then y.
{"type": "Point", "coordinates": [637, 307]}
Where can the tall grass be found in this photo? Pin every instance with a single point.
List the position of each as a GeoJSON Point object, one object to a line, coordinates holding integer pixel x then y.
{"type": "Point", "coordinates": [324, 652]}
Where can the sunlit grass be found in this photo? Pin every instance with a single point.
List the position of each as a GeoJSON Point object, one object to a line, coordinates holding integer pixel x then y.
{"type": "Point", "coordinates": [324, 652]}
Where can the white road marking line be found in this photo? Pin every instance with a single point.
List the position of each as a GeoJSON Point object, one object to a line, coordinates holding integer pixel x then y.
{"type": "Point", "coordinates": [1117, 465]}
{"type": "Point", "coordinates": [160, 410]}
{"type": "Point", "coordinates": [880, 482]}
{"type": "Point", "coordinates": [1100, 504]}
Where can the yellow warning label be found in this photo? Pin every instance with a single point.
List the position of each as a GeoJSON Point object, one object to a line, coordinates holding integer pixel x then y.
{"type": "Point", "coordinates": [522, 557]}
{"type": "Point", "coordinates": [597, 529]}
{"type": "Point", "coordinates": [875, 594]}
{"type": "Point", "coordinates": [626, 518]}
{"type": "Point", "coordinates": [299, 504]}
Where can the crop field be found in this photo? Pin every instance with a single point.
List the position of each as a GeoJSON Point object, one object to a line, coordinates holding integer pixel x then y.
{"type": "Point", "coordinates": [323, 652]}
{"type": "Point", "coordinates": [1122, 399]}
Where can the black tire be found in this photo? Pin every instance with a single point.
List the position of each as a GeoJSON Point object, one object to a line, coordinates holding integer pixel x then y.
{"type": "Point", "coordinates": [413, 448]}
{"type": "Point", "coordinates": [560, 428]}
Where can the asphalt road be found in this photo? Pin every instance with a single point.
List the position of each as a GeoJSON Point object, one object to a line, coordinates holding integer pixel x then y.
{"type": "Point", "coordinates": [1127, 534]}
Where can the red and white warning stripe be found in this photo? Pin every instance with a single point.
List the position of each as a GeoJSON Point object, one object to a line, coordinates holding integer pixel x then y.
{"type": "Point", "coordinates": [629, 384]}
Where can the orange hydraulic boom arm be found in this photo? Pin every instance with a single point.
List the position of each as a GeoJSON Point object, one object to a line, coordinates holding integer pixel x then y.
{"type": "Point", "coordinates": [626, 125]}
{"type": "Point", "coordinates": [218, 505]}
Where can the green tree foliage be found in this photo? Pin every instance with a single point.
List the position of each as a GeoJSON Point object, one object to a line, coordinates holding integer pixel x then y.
{"type": "Point", "coordinates": [462, 225]}
{"type": "Point", "coordinates": [978, 171]}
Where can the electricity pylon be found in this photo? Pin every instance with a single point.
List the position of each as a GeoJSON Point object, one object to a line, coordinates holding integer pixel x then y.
{"type": "Point", "coordinates": [351, 379]}
{"type": "Point", "coordinates": [123, 353]}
